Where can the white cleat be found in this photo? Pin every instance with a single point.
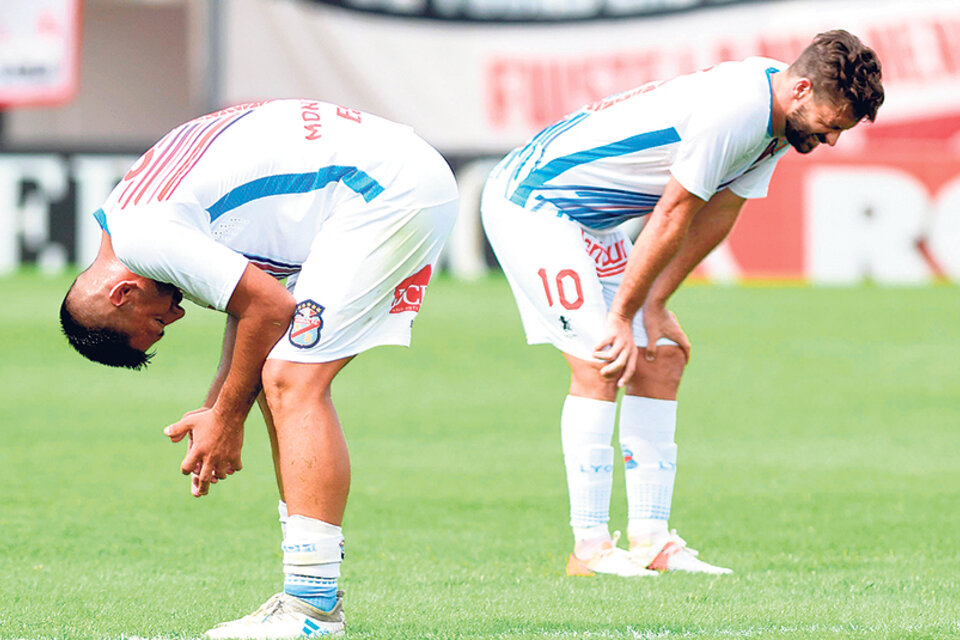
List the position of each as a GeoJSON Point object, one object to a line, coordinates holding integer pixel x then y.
{"type": "Point", "coordinates": [610, 559]}
{"type": "Point", "coordinates": [282, 617]}
{"type": "Point", "coordinates": [671, 553]}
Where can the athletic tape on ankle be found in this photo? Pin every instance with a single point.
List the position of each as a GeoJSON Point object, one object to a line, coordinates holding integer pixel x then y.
{"type": "Point", "coordinates": [298, 555]}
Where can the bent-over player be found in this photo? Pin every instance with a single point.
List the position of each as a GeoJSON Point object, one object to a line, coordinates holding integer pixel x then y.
{"type": "Point", "coordinates": [686, 153]}
{"type": "Point", "coordinates": [352, 210]}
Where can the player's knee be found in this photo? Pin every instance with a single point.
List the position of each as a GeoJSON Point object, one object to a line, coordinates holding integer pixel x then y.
{"type": "Point", "coordinates": [587, 382]}
{"type": "Point", "coordinates": [670, 362]}
{"type": "Point", "coordinates": [659, 378]}
{"type": "Point", "coordinates": [287, 381]}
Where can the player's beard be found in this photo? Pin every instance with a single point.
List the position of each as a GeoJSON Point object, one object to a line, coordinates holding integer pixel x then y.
{"type": "Point", "coordinates": [797, 133]}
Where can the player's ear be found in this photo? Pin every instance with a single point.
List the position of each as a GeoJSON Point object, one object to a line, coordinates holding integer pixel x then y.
{"type": "Point", "coordinates": [802, 88]}
{"type": "Point", "coordinates": [122, 292]}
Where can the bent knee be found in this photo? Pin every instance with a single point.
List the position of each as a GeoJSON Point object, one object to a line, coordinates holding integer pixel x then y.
{"type": "Point", "coordinates": [586, 380]}
{"type": "Point", "coordinates": [671, 360]}
{"type": "Point", "coordinates": [659, 378]}
{"type": "Point", "coordinates": [282, 377]}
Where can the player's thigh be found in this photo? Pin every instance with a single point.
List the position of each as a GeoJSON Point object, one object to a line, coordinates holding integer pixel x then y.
{"type": "Point", "coordinates": [363, 282]}
{"type": "Point", "coordinates": [552, 277]}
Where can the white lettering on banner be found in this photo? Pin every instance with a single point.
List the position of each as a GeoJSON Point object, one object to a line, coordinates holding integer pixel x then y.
{"type": "Point", "coordinates": [96, 176]}
{"type": "Point", "coordinates": [865, 223]}
{"type": "Point", "coordinates": [944, 231]}
{"type": "Point", "coordinates": [24, 213]}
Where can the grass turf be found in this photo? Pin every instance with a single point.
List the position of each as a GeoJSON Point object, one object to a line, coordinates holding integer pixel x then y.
{"type": "Point", "coordinates": [818, 458]}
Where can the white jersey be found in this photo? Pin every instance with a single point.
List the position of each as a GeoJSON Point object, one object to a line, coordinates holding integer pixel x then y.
{"type": "Point", "coordinates": [611, 160]}
{"type": "Point", "coordinates": [254, 183]}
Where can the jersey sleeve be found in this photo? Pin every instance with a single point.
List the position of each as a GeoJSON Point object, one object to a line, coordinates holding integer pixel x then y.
{"type": "Point", "coordinates": [755, 182]}
{"type": "Point", "coordinates": [172, 250]}
{"type": "Point", "coordinates": [711, 143]}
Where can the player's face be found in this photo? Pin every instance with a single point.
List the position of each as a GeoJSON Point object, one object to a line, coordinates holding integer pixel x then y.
{"type": "Point", "coordinates": [156, 306]}
{"type": "Point", "coordinates": [813, 122]}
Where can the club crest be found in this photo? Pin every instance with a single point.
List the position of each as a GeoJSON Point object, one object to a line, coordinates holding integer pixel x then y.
{"type": "Point", "coordinates": [306, 324]}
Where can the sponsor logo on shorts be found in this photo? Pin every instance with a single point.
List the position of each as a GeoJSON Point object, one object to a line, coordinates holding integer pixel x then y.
{"type": "Point", "coordinates": [409, 294]}
{"type": "Point", "coordinates": [611, 259]}
{"type": "Point", "coordinates": [306, 325]}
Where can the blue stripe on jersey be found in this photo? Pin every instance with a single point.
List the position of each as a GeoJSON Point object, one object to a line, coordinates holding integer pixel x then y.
{"type": "Point", "coordinates": [598, 207]}
{"type": "Point", "coordinates": [537, 178]}
{"type": "Point", "coordinates": [770, 71]}
{"type": "Point", "coordinates": [287, 183]}
{"type": "Point", "coordinates": [544, 138]}
{"type": "Point", "coordinates": [272, 261]}
{"type": "Point", "coordinates": [101, 219]}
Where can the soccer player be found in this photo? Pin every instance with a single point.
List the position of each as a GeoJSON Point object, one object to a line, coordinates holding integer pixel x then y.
{"type": "Point", "coordinates": [352, 210]}
{"type": "Point", "coordinates": [686, 153]}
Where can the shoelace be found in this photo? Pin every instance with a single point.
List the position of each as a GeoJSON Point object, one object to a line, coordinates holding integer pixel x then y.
{"type": "Point", "coordinates": [270, 607]}
{"type": "Point", "coordinates": [681, 543]}
{"type": "Point", "coordinates": [603, 553]}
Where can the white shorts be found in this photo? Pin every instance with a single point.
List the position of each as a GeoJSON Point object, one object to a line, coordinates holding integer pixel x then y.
{"type": "Point", "coordinates": [563, 275]}
{"type": "Point", "coordinates": [364, 280]}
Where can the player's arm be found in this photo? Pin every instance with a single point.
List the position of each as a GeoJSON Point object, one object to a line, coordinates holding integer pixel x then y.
{"type": "Point", "coordinates": [707, 230]}
{"type": "Point", "coordinates": [262, 308]}
{"type": "Point", "coordinates": [658, 243]}
{"type": "Point", "coordinates": [226, 357]}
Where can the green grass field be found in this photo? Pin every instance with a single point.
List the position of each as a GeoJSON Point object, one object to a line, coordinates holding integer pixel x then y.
{"type": "Point", "coordinates": [819, 457]}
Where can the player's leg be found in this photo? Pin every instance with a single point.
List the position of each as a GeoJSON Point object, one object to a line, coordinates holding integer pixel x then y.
{"type": "Point", "coordinates": [648, 421]}
{"type": "Point", "coordinates": [313, 472]}
{"type": "Point", "coordinates": [314, 466]}
{"type": "Point", "coordinates": [586, 428]}
{"type": "Point", "coordinates": [274, 450]}
{"type": "Point", "coordinates": [554, 280]}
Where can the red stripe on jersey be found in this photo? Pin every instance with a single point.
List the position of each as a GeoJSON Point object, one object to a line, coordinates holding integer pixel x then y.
{"type": "Point", "coordinates": [172, 153]}
{"type": "Point", "coordinates": [170, 145]}
{"type": "Point", "coordinates": [195, 155]}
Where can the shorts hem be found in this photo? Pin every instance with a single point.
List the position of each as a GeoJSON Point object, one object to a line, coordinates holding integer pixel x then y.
{"type": "Point", "coordinates": [319, 357]}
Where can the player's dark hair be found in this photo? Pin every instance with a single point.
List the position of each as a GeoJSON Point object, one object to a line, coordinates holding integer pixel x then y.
{"type": "Point", "coordinates": [104, 345]}
{"type": "Point", "coordinates": [841, 66]}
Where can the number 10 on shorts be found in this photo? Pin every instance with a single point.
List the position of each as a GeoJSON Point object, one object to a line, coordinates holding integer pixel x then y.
{"type": "Point", "coordinates": [565, 280]}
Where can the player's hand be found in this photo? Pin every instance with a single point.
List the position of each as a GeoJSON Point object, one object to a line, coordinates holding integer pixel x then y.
{"type": "Point", "coordinates": [660, 323]}
{"type": "Point", "coordinates": [617, 349]}
{"type": "Point", "coordinates": [214, 450]}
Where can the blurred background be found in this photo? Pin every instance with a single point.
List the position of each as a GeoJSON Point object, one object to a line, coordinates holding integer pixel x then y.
{"type": "Point", "coordinates": [86, 86]}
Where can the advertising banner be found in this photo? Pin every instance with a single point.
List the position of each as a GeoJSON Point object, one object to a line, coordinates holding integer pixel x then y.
{"type": "Point", "coordinates": [472, 87]}
{"type": "Point", "coordinates": [39, 47]}
{"type": "Point", "coordinates": [892, 217]}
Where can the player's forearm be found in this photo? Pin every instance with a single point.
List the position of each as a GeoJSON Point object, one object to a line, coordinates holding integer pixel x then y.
{"type": "Point", "coordinates": [226, 357]}
{"type": "Point", "coordinates": [659, 241]}
{"type": "Point", "coordinates": [261, 310]}
{"type": "Point", "coordinates": [707, 230]}
{"type": "Point", "coordinates": [255, 337]}
{"type": "Point", "coordinates": [655, 248]}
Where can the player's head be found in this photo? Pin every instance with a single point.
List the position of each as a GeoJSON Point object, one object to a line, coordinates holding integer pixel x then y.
{"type": "Point", "coordinates": [836, 84]}
{"type": "Point", "coordinates": [114, 318]}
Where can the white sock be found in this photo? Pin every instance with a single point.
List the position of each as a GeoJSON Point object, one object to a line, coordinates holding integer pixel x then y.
{"type": "Point", "coordinates": [586, 429]}
{"type": "Point", "coordinates": [647, 432]}
{"type": "Point", "coordinates": [282, 510]}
